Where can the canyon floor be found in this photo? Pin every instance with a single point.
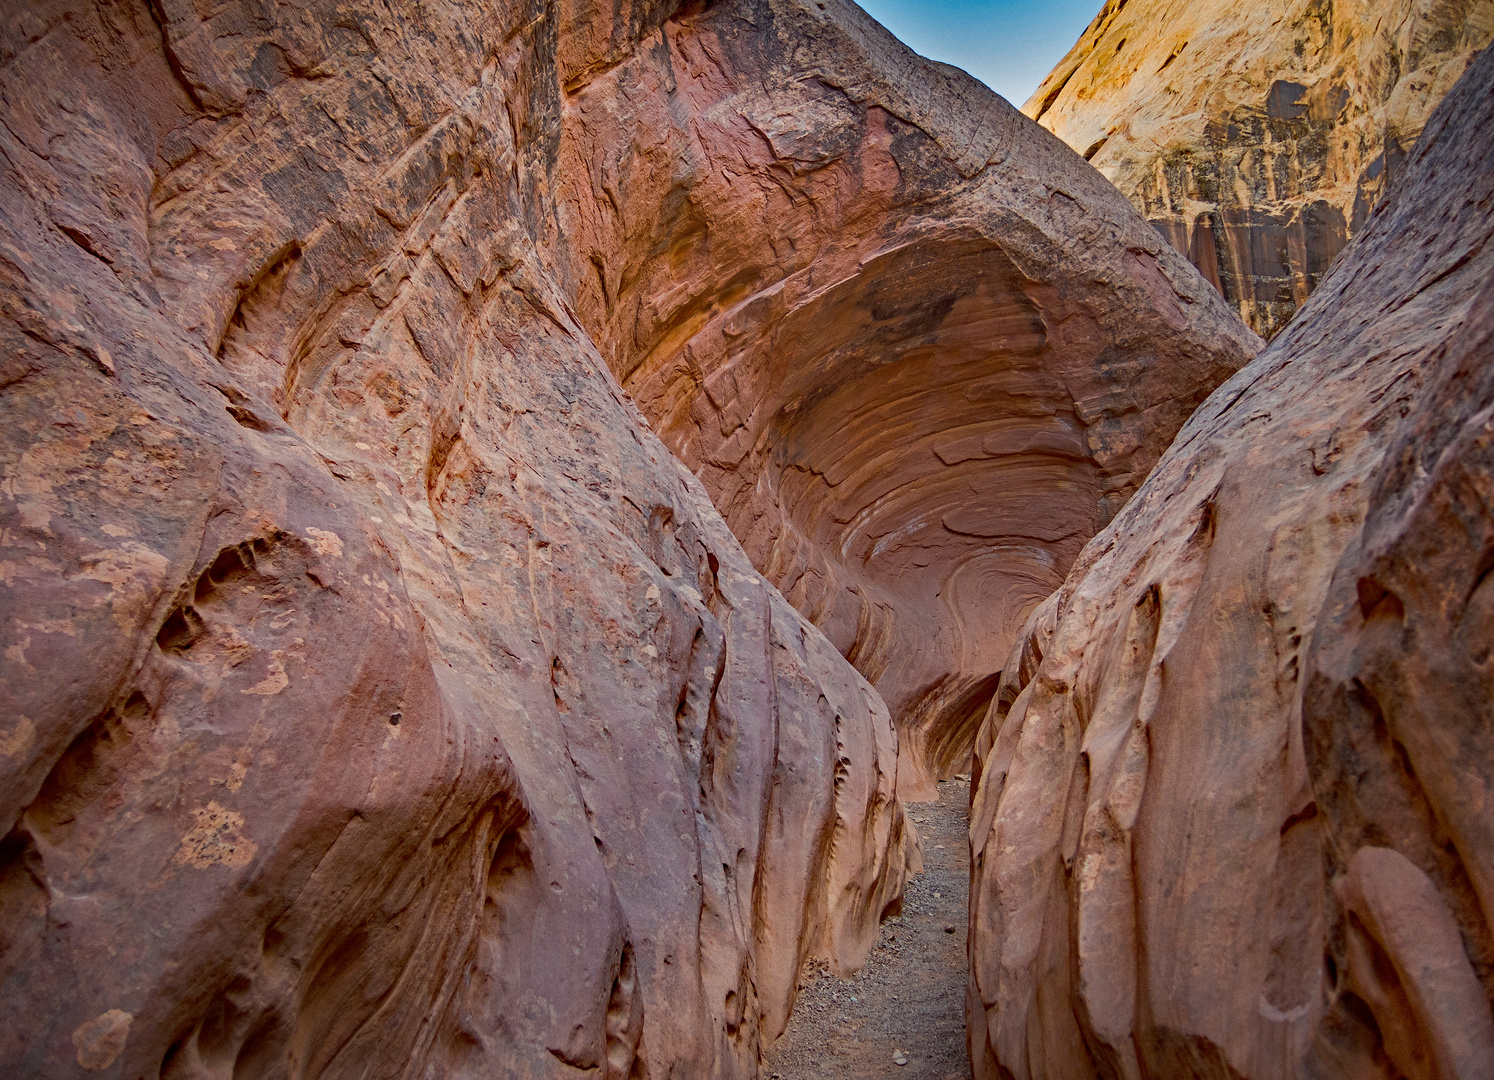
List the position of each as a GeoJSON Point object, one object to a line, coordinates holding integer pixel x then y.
{"type": "Point", "coordinates": [910, 995]}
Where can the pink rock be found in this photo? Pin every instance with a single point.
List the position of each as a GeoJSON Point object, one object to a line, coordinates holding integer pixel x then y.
{"type": "Point", "coordinates": [380, 696]}
{"type": "Point", "coordinates": [1232, 812]}
{"type": "Point", "coordinates": [917, 351]}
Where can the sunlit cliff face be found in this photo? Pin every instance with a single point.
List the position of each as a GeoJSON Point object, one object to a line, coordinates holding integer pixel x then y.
{"type": "Point", "coordinates": [1258, 137]}
{"type": "Point", "coordinates": [917, 350]}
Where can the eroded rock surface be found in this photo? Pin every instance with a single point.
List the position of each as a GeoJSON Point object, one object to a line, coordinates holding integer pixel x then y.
{"type": "Point", "coordinates": [915, 349]}
{"type": "Point", "coordinates": [1257, 137]}
{"type": "Point", "coordinates": [380, 697]}
{"type": "Point", "coordinates": [1233, 813]}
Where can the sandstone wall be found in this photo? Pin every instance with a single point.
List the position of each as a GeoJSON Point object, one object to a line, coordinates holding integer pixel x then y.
{"type": "Point", "coordinates": [1257, 137]}
{"type": "Point", "coordinates": [378, 697]}
{"type": "Point", "coordinates": [916, 350]}
{"type": "Point", "coordinates": [1233, 812]}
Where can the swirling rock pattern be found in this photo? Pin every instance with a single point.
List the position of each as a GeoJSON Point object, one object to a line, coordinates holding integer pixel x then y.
{"type": "Point", "coordinates": [1233, 809]}
{"type": "Point", "coordinates": [917, 351]}
{"type": "Point", "coordinates": [1257, 137]}
{"type": "Point", "coordinates": [380, 698]}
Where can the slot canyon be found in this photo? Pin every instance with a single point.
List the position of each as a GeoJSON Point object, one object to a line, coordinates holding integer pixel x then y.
{"type": "Point", "coordinates": [520, 518]}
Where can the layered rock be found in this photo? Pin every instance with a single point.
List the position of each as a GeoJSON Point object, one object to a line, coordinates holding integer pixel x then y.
{"type": "Point", "coordinates": [1232, 816]}
{"type": "Point", "coordinates": [916, 350]}
{"type": "Point", "coordinates": [380, 696]}
{"type": "Point", "coordinates": [1257, 137]}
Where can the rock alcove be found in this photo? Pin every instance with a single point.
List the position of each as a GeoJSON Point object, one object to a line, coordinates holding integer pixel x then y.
{"type": "Point", "coordinates": [917, 354]}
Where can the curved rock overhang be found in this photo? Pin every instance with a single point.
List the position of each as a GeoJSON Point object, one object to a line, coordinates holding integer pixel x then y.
{"type": "Point", "coordinates": [917, 349]}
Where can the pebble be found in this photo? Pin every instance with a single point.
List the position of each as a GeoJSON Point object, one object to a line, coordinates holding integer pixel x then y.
{"type": "Point", "coordinates": [899, 1058]}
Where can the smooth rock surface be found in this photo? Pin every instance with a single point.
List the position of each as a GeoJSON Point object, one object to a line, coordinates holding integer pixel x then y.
{"type": "Point", "coordinates": [1257, 137]}
{"type": "Point", "coordinates": [917, 351]}
{"type": "Point", "coordinates": [378, 697]}
{"type": "Point", "coordinates": [1233, 810]}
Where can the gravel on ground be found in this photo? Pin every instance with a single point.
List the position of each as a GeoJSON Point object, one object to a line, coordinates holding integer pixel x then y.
{"type": "Point", "coordinates": [908, 1001]}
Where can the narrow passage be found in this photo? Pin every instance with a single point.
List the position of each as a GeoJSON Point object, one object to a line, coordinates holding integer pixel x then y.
{"type": "Point", "coordinates": [910, 996]}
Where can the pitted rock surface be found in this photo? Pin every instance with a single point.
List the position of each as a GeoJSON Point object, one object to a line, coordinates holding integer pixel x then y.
{"type": "Point", "coordinates": [380, 697]}
{"type": "Point", "coordinates": [1258, 137]}
{"type": "Point", "coordinates": [1232, 813]}
{"type": "Point", "coordinates": [917, 351]}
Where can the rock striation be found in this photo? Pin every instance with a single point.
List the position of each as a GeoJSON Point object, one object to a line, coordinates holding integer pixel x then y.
{"type": "Point", "coordinates": [1257, 137]}
{"type": "Point", "coordinates": [380, 697]}
{"type": "Point", "coordinates": [916, 350]}
{"type": "Point", "coordinates": [1232, 814]}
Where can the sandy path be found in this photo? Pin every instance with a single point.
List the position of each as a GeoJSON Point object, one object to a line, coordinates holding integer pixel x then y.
{"type": "Point", "coordinates": [910, 996]}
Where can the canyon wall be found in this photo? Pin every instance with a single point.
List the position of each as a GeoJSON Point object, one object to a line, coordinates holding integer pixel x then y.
{"type": "Point", "coordinates": [1257, 137]}
{"type": "Point", "coordinates": [917, 351]}
{"type": "Point", "coordinates": [378, 696]}
{"type": "Point", "coordinates": [1233, 813]}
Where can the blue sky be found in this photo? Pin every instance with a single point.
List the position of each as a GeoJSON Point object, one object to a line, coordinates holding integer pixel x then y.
{"type": "Point", "coordinates": [1007, 44]}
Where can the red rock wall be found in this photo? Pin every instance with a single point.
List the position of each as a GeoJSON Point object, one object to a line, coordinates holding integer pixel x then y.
{"type": "Point", "coordinates": [1232, 816]}
{"type": "Point", "coordinates": [380, 698]}
{"type": "Point", "coordinates": [917, 351]}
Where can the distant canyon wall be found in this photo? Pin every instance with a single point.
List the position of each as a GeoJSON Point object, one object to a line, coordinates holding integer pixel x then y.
{"type": "Point", "coordinates": [1258, 137]}
{"type": "Point", "coordinates": [1233, 812]}
{"type": "Point", "coordinates": [916, 350]}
